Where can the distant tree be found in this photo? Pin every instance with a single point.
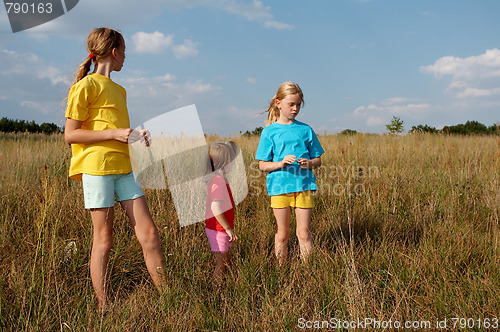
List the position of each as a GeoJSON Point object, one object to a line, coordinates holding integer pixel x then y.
{"type": "Point", "coordinates": [396, 125]}
{"type": "Point", "coordinates": [19, 126]}
{"type": "Point", "coordinates": [424, 129]}
{"type": "Point", "coordinates": [474, 127]}
{"type": "Point", "coordinates": [454, 130]}
{"type": "Point", "coordinates": [494, 129]}
{"type": "Point", "coordinates": [32, 127]}
{"type": "Point", "coordinates": [6, 125]}
{"type": "Point", "coordinates": [22, 126]}
{"type": "Point", "coordinates": [348, 132]}
{"type": "Point", "coordinates": [469, 128]}
{"type": "Point", "coordinates": [49, 128]}
{"type": "Point", "coordinates": [255, 132]}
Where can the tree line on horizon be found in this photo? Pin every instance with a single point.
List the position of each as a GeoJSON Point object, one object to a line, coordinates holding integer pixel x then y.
{"type": "Point", "coordinates": [23, 126]}
{"type": "Point", "coordinates": [396, 126]}
{"type": "Point", "coordinates": [469, 128]}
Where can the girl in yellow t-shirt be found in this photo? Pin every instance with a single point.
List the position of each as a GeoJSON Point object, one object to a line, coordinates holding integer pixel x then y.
{"type": "Point", "coordinates": [98, 129]}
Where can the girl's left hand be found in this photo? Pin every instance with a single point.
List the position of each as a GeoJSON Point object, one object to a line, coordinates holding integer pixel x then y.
{"type": "Point", "coordinates": [232, 235]}
{"type": "Point", "coordinates": [145, 137]}
{"type": "Point", "coordinates": [142, 135]}
{"type": "Point", "coordinates": [304, 163]}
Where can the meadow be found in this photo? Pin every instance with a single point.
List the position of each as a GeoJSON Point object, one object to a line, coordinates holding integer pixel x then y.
{"type": "Point", "coordinates": [406, 229]}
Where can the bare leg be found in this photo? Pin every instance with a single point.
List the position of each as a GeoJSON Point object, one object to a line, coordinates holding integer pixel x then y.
{"type": "Point", "coordinates": [282, 233]}
{"type": "Point", "coordinates": [222, 261]}
{"type": "Point", "coordinates": [303, 232]}
{"type": "Point", "coordinates": [138, 213]}
{"type": "Point", "coordinates": [102, 220]}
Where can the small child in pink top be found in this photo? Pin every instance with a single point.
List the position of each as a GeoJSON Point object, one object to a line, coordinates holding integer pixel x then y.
{"type": "Point", "coordinates": [219, 214]}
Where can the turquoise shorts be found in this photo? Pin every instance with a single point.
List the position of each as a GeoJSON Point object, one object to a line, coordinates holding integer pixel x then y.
{"type": "Point", "coordinates": [99, 191]}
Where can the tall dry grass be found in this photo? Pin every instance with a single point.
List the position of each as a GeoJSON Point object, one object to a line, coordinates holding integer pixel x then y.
{"type": "Point", "coordinates": [405, 228]}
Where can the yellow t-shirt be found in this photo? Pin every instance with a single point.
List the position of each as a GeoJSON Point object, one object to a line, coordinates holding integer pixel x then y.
{"type": "Point", "coordinates": [100, 104]}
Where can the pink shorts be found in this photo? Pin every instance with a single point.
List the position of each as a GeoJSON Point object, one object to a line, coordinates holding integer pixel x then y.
{"type": "Point", "coordinates": [219, 241]}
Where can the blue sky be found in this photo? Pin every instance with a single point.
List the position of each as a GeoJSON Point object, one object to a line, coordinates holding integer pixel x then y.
{"type": "Point", "coordinates": [359, 63]}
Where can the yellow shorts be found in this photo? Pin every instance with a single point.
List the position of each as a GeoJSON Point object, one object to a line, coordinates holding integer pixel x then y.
{"type": "Point", "coordinates": [303, 199]}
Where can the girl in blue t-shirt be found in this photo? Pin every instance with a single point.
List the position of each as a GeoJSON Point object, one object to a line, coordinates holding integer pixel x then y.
{"type": "Point", "coordinates": [289, 150]}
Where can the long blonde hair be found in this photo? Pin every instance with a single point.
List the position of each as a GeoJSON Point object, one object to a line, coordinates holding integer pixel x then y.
{"type": "Point", "coordinates": [100, 43]}
{"type": "Point", "coordinates": [285, 89]}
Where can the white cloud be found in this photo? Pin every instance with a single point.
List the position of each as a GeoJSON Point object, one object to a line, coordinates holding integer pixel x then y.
{"type": "Point", "coordinates": [475, 92]}
{"type": "Point", "coordinates": [396, 101]}
{"type": "Point", "coordinates": [380, 113]}
{"type": "Point", "coordinates": [131, 13]}
{"type": "Point", "coordinates": [251, 80]}
{"type": "Point", "coordinates": [474, 76]}
{"type": "Point", "coordinates": [188, 49]}
{"type": "Point", "coordinates": [31, 87]}
{"type": "Point", "coordinates": [29, 64]}
{"type": "Point", "coordinates": [254, 11]}
{"type": "Point", "coordinates": [373, 121]}
{"type": "Point", "coordinates": [43, 108]}
{"type": "Point", "coordinates": [164, 93]}
{"type": "Point", "coordinates": [484, 65]}
{"type": "Point", "coordinates": [156, 43]}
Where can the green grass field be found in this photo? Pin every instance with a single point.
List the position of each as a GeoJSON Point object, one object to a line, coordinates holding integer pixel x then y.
{"type": "Point", "coordinates": [406, 228]}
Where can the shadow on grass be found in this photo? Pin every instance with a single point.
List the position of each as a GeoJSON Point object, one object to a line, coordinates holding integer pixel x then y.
{"type": "Point", "coordinates": [372, 228]}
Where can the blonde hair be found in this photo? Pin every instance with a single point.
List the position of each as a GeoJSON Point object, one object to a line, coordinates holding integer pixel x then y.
{"type": "Point", "coordinates": [100, 43]}
{"type": "Point", "coordinates": [221, 154]}
{"type": "Point", "coordinates": [285, 89]}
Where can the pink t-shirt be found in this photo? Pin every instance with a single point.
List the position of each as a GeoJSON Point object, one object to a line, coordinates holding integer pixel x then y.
{"type": "Point", "coordinates": [218, 190]}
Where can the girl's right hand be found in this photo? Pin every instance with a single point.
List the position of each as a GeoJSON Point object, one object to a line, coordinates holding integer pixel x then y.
{"type": "Point", "coordinates": [290, 159]}
{"type": "Point", "coordinates": [122, 134]}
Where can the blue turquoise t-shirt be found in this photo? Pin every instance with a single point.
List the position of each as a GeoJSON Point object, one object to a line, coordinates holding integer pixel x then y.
{"type": "Point", "coordinates": [279, 140]}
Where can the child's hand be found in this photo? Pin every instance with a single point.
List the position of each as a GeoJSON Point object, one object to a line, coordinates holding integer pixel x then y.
{"type": "Point", "coordinates": [145, 137]}
{"type": "Point", "coordinates": [290, 159]}
{"type": "Point", "coordinates": [304, 163]}
{"type": "Point", "coordinates": [309, 163]}
{"type": "Point", "coordinates": [232, 235]}
{"type": "Point", "coordinates": [124, 135]}
{"type": "Point", "coordinates": [140, 135]}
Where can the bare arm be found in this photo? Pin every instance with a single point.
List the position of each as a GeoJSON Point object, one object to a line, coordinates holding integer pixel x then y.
{"type": "Point", "coordinates": [309, 163]}
{"type": "Point", "coordinates": [269, 166]}
{"type": "Point", "coordinates": [221, 218]}
{"type": "Point", "coordinates": [74, 134]}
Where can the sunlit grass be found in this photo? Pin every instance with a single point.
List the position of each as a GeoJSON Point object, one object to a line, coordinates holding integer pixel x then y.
{"type": "Point", "coordinates": [405, 228]}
